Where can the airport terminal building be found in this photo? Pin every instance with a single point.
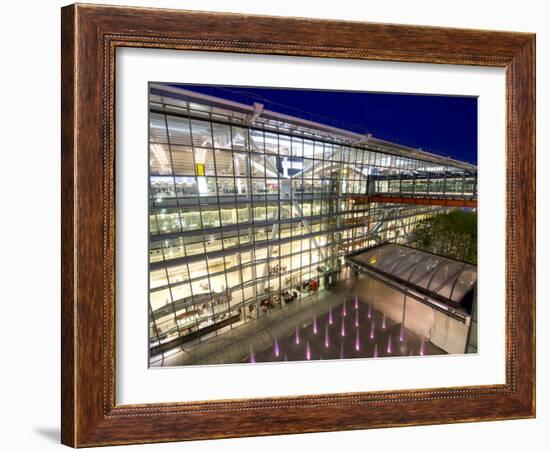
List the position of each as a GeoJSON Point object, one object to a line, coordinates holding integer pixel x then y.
{"type": "Point", "coordinates": [252, 212]}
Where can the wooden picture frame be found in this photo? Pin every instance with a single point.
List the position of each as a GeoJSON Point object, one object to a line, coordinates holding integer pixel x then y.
{"type": "Point", "coordinates": [90, 37]}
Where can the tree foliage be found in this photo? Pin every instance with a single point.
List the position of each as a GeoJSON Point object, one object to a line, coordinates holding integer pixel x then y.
{"type": "Point", "coordinates": [452, 234]}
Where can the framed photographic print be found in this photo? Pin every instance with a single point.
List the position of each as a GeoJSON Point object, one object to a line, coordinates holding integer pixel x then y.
{"type": "Point", "coordinates": [282, 225]}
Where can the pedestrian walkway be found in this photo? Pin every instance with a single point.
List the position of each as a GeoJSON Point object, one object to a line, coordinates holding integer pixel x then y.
{"type": "Point", "coordinates": [327, 325]}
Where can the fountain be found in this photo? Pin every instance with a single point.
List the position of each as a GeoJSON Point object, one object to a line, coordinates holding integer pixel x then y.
{"type": "Point", "coordinates": [356, 304]}
{"type": "Point", "coordinates": [330, 316]}
{"type": "Point", "coordinates": [348, 337]}
{"type": "Point", "coordinates": [252, 357]}
{"type": "Point", "coordinates": [344, 310]}
{"type": "Point", "coordinates": [369, 313]}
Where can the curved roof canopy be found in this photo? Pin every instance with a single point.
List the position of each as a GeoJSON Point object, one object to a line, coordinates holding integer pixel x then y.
{"type": "Point", "coordinates": [439, 280]}
{"type": "Point", "coordinates": [174, 100]}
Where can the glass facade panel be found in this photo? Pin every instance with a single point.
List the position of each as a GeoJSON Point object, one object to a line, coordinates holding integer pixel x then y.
{"type": "Point", "coordinates": [182, 160]}
{"type": "Point", "coordinates": [159, 162]}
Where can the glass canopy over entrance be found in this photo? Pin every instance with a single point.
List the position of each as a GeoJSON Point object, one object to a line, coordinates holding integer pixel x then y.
{"type": "Point", "coordinates": [443, 282]}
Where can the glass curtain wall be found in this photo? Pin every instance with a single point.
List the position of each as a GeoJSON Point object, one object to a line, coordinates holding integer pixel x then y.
{"type": "Point", "coordinates": [246, 218]}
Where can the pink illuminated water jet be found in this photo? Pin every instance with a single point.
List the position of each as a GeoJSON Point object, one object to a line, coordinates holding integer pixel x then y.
{"type": "Point", "coordinates": [384, 322]}
{"type": "Point", "coordinates": [356, 305]}
{"type": "Point", "coordinates": [401, 333]}
{"type": "Point", "coordinates": [297, 336]}
{"type": "Point", "coordinates": [330, 316]}
{"type": "Point", "coordinates": [357, 319]}
{"type": "Point", "coordinates": [344, 310]}
{"type": "Point", "coordinates": [357, 342]}
{"type": "Point", "coordinates": [369, 313]}
{"type": "Point", "coordinates": [308, 351]}
{"type": "Point", "coordinates": [372, 329]}
{"type": "Point", "coordinates": [315, 325]}
{"type": "Point", "coordinates": [388, 348]}
{"type": "Point", "coordinates": [327, 340]}
{"type": "Point", "coordinates": [252, 356]}
{"type": "Point", "coordinates": [276, 348]}
{"type": "Point", "coordinates": [421, 352]}
{"type": "Point", "coordinates": [343, 328]}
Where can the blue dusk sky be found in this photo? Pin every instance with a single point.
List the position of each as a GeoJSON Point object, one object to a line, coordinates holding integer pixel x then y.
{"type": "Point", "coordinates": [444, 125]}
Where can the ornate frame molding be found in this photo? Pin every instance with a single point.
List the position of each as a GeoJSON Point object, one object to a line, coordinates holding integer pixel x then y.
{"type": "Point", "coordinates": [90, 37]}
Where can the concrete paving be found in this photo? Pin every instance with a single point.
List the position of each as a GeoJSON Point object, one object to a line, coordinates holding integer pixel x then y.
{"type": "Point", "coordinates": [273, 337]}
